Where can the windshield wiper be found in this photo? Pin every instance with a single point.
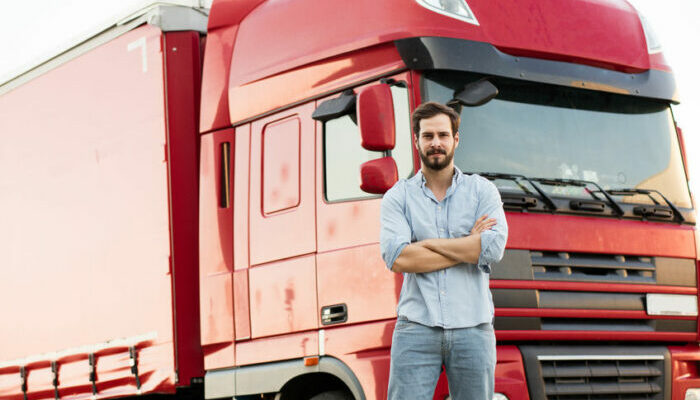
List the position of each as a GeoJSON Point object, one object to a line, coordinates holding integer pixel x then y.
{"type": "Point", "coordinates": [582, 183]}
{"type": "Point", "coordinates": [515, 178]}
{"type": "Point", "coordinates": [582, 205]}
{"type": "Point", "coordinates": [647, 211]}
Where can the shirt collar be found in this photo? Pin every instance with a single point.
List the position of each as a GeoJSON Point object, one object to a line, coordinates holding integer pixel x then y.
{"type": "Point", "coordinates": [457, 177]}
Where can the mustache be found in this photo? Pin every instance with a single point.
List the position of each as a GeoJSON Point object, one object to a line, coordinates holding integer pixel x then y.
{"type": "Point", "coordinates": [436, 151]}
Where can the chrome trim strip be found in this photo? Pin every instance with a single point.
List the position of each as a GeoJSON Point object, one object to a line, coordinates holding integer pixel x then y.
{"type": "Point", "coordinates": [600, 357]}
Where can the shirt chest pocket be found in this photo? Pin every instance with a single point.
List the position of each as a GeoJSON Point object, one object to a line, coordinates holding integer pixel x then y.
{"type": "Point", "coordinates": [423, 228]}
{"type": "Point", "coordinates": [423, 221]}
{"type": "Point", "coordinates": [462, 215]}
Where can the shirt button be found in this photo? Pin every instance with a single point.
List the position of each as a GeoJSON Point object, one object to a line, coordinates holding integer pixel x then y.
{"type": "Point", "coordinates": [441, 292]}
{"type": "Point", "coordinates": [439, 207]}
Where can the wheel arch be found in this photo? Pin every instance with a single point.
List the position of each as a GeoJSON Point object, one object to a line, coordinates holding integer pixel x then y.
{"type": "Point", "coordinates": [276, 377]}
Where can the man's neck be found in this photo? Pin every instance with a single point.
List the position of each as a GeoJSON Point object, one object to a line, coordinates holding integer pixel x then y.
{"type": "Point", "coordinates": [438, 181]}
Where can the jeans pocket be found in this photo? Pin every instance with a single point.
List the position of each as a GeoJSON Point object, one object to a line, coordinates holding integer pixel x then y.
{"type": "Point", "coordinates": [405, 325]}
{"type": "Point", "coordinates": [487, 338]}
{"type": "Point", "coordinates": [486, 326]}
{"type": "Point", "coordinates": [401, 323]}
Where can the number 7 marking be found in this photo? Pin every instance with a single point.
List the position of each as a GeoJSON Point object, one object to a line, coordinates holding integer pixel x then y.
{"type": "Point", "coordinates": [142, 44]}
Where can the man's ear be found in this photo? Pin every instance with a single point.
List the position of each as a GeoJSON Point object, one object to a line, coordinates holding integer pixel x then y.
{"type": "Point", "coordinates": [456, 139]}
{"type": "Point", "coordinates": [415, 142]}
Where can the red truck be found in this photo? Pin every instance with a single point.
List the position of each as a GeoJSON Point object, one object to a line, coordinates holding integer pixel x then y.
{"type": "Point", "coordinates": [190, 200]}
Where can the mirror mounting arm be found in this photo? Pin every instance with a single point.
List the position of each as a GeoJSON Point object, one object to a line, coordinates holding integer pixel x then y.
{"type": "Point", "coordinates": [474, 94]}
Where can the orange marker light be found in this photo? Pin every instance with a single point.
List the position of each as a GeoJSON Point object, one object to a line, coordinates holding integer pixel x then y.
{"type": "Point", "coordinates": [310, 361]}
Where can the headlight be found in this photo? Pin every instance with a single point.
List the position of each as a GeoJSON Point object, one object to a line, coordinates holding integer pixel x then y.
{"type": "Point", "coordinates": [692, 394]}
{"type": "Point", "coordinates": [452, 8]}
{"type": "Point", "coordinates": [653, 42]}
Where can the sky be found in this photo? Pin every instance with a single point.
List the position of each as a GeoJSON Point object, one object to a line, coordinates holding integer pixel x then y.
{"type": "Point", "coordinates": [32, 30]}
{"type": "Point", "coordinates": [675, 23]}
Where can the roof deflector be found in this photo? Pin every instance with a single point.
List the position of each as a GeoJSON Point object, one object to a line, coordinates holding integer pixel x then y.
{"type": "Point", "coordinates": [336, 107]}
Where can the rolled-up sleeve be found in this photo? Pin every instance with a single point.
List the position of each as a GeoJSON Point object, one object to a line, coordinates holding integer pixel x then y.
{"type": "Point", "coordinates": [493, 241]}
{"type": "Point", "coordinates": [395, 231]}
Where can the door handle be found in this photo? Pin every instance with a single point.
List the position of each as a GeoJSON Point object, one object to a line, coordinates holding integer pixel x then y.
{"type": "Point", "coordinates": [334, 314]}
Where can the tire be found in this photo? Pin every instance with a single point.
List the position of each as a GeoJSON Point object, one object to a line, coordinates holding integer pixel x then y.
{"type": "Point", "coordinates": [333, 395]}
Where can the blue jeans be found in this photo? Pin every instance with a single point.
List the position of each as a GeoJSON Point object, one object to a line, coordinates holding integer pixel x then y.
{"type": "Point", "coordinates": [418, 353]}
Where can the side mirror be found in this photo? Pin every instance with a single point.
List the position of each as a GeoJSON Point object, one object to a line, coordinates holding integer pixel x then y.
{"type": "Point", "coordinates": [474, 94]}
{"type": "Point", "coordinates": [375, 117]}
{"type": "Point", "coordinates": [378, 175]}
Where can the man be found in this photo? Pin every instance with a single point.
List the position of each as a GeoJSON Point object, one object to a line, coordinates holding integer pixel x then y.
{"type": "Point", "coordinates": [442, 229]}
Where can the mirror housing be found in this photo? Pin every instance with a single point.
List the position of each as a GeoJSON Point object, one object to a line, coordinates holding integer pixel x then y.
{"type": "Point", "coordinates": [378, 176]}
{"type": "Point", "coordinates": [375, 117]}
{"type": "Point", "coordinates": [474, 94]}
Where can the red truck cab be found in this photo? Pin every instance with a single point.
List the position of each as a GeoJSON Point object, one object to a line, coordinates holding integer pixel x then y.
{"type": "Point", "coordinates": [191, 200]}
{"type": "Point", "coordinates": [592, 251]}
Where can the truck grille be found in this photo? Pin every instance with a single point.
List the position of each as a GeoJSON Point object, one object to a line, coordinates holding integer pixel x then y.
{"type": "Point", "coordinates": [594, 379]}
{"type": "Point", "coordinates": [592, 267]}
{"type": "Point", "coordinates": [556, 374]}
{"type": "Point", "coordinates": [584, 268]}
{"type": "Point", "coordinates": [595, 267]}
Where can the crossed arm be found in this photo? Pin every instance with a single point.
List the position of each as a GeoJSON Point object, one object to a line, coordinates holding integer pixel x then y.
{"type": "Point", "coordinates": [435, 254]}
{"type": "Point", "coordinates": [482, 246]}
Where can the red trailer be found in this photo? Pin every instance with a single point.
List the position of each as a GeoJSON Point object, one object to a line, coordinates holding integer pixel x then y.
{"type": "Point", "coordinates": [183, 208]}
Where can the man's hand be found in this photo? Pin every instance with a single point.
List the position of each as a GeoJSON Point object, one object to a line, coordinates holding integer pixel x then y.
{"type": "Point", "coordinates": [483, 224]}
{"type": "Point", "coordinates": [465, 249]}
{"type": "Point", "coordinates": [435, 254]}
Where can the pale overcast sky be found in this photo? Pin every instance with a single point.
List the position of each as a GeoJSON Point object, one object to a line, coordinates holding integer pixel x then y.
{"type": "Point", "coordinates": [34, 29]}
{"type": "Point", "coordinates": [675, 23]}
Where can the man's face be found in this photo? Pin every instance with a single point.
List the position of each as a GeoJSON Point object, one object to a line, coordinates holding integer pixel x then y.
{"type": "Point", "coordinates": [435, 142]}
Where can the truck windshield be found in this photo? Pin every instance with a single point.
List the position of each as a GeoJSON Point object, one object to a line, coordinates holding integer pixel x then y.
{"type": "Point", "coordinates": [548, 131]}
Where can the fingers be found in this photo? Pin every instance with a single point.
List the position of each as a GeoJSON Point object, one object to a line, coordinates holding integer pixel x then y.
{"type": "Point", "coordinates": [483, 224]}
{"type": "Point", "coordinates": [479, 222]}
{"type": "Point", "coordinates": [486, 225]}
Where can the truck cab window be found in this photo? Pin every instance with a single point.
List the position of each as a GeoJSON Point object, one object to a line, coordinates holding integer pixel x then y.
{"type": "Point", "coordinates": [342, 157]}
{"type": "Point", "coordinates": [549, 131]}
{"type": "Point", "coordinates": [403, 151]}
{"type": "Point", "coordinates": [343, 153]}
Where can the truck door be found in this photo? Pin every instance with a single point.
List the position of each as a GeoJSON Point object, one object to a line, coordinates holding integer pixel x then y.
{"type": "Point", "coordinates": [282, 223]}
{"type": "Point", "coordinates": [351, 274]}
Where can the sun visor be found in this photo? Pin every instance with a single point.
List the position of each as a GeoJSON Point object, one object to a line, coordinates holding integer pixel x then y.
{"type": "Point", "coordinates": [466, 55]}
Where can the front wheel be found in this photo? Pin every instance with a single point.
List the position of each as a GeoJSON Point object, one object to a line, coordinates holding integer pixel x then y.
{"type": "Point", "coordinates": [333, 395]}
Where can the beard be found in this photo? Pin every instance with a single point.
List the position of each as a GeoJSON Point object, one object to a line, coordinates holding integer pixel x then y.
{"type": "Point", "coordinates": [436, 164]}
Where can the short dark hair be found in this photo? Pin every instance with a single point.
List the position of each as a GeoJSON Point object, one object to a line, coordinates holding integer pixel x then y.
{"type": "Point", "coordinates": [431, 109]}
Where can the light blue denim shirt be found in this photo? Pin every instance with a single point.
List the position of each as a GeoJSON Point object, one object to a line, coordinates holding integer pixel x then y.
{"type": "Point", "coordinates": [456, 297]}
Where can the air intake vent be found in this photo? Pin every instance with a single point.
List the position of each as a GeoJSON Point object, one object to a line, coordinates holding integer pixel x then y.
{"type": "Point", "coordinates": [592, 267]}
{"type": "Point", "coordinates": [596, 372]}
{"type": "Point", "coordinates": [602, 379]}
